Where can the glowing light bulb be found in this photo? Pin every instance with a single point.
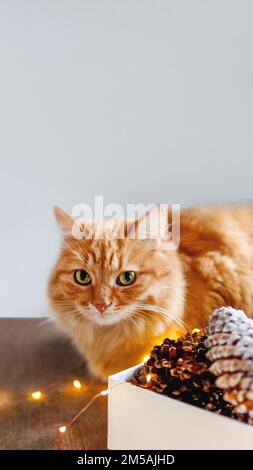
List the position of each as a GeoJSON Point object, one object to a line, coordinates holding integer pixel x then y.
{"type": "Point", "coordinates": [104, 392]}
{"type": "Point", "coordinates": [148, 378]}
{"type": "Point", "coordinates": [62, 429]}
{"type": "Point", "coordinates": [146, 358]}
{"type": "Point", "coordinates": [37, 395]}
{"type": "Point", "coordinates": [77, 384]}
{"type": "Point", "coordinates": [196, 330]}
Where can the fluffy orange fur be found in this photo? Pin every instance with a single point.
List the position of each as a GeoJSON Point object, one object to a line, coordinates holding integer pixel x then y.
{"type": "Point", "coordinates": [173, 290]}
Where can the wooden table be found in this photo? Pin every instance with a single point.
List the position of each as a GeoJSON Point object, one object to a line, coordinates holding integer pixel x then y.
{"type": "Point", "coordinates": [33, 356]}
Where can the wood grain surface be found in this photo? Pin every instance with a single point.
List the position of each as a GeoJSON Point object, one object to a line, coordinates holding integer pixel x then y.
{"type": "Point", "coordinates": [33, 356]}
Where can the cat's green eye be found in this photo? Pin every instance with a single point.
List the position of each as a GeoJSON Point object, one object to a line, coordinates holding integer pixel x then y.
{"type": "Point", "coordinates": [126, 278]}
{"type": "Point", "coordinates": [82, 277]}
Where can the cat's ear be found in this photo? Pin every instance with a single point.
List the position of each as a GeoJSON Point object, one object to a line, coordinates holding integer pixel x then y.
{"type": "Point", "coordinates": [153, 225]}
{"type": "Point", "coordinates": [68, 225]}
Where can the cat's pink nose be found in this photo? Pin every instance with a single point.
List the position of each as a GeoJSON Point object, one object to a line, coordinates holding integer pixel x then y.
{"type": "Point", "coordinates": [101, 306]}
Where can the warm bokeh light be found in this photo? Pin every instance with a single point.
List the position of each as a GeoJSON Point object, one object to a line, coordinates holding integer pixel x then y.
{"type": "Point", "coordinates": [196, 330]}
{"type": "Point", "coordinates": [62, 429]}
{"type": "Point", "coordinates": [148, 378]}
{"type": "Point", "coordinates": [104, 392]}
{"type": "Point", "coordinates": [37, 395]}
{"type": "Point", "coordinates": [146, 358]}
{"type": "Point", "coordinates": [77, 384]}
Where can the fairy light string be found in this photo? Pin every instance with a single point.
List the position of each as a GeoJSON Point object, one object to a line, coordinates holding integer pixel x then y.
{"type": "Point", "coordinates": [62, 429]}
{"type": "Point", "coordinates": [38, 395]}
{"type": "Point", "coordinates": [103, 393]}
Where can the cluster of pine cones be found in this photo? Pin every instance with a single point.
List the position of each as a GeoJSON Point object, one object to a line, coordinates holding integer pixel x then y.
{"type": "Point", "coordinates": [212, 369]}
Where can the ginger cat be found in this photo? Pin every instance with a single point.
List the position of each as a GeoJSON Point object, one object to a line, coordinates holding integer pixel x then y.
{"type": "Point", "coordinates": [116, 299]}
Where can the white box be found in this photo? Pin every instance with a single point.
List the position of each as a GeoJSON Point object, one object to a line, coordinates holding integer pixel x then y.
{"type": "Point", "coordinates": [142, 419]}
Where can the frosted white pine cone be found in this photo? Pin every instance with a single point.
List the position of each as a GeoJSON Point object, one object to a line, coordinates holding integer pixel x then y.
{"type": "Point", "coordinates": [230, 350]}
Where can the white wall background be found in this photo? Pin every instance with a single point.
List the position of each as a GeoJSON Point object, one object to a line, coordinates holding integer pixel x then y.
{"type": "Point", "coordinates": [137, 100]}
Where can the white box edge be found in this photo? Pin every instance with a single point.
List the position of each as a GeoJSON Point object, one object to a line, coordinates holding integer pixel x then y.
{"type": "Point", "coordinates": [209, 431]}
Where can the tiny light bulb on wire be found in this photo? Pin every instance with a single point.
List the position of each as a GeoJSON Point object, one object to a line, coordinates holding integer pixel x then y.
{"type": "Point", "coordinates": [62, 429]}
{"type": "Point", "coordinates": [37, 395]}
{"type": "Point", "coordinates": [148, 378]}
{"type": "Point", "coordinates": [196, 330]}
{"type": "Point", "coordinates": [77, 384]}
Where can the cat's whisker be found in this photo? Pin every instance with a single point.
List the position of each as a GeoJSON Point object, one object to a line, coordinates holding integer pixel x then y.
{"type": "Point", "coordinates": [131, 319]}
{"type": "Point", "coordinates": [148, 321]}
{"type": "Point", "coordinates": [169, 321]}
{"type": "Point", "coordinates": [165, 312]}
{"type": "Point", "coordinates": [64, 306]}
{"type": "Point", "coordinates": [132, 314]}
{"type": "Point", "coordinates": [68, 313]}
{"type": "Point", "coordinates": [129, 316]}
{"type": "Point", "coordinates": [63, 302]}
{"type": "Point", "coordinates": [166, 315]}
{"type": "Point", "coordinates": [44, 322]}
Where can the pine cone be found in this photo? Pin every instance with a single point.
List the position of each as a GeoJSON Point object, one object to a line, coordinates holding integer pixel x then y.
{"type": "Point", "coordinates": [230, 351]}
{"type": "Point", "coordinates": [180, 369]}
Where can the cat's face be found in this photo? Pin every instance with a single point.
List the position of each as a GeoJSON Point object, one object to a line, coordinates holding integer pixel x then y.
{"type": "Point", "coordinates": [109, 280]}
